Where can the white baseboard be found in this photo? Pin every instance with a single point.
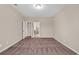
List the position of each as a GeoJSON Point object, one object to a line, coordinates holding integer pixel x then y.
{"type": "Point", "coordinates": [9, 46]}
{"type": "Point", "coordinates": [43, 37]}
{"type": "Point", "coordinates": [68, 47]}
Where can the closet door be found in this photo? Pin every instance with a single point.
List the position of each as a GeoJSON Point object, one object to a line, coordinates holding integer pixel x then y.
{"type": "Point", "coordinates": [28, 28]}
{"type": "Point", "coordinates": [24, 29]}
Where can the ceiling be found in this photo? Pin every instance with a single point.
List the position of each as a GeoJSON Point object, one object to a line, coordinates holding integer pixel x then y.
{"type": "Point", "coordinates": [47, 10]}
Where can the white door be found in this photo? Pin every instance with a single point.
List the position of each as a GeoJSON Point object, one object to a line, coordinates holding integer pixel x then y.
{"type": "Point", "coordinates": [24, 29]}
{"type": "Point", "coordinates": [27, 29]}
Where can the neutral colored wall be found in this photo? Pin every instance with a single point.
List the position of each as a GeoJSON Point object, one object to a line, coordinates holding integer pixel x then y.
{"type": "Point", "coordinates": [10, 26]}
{"type": "Point", "coordinates": [66, 24]}
{"type": "Point", "coordinates": [46, 29]}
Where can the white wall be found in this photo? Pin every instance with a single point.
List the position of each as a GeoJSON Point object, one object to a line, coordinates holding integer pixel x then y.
{"type": "Point", "coordinates": [46, 24]}
{"type": "Point", "coordinates": [10, 26]}
{"type": "Point", "coordinates": [66, 24]}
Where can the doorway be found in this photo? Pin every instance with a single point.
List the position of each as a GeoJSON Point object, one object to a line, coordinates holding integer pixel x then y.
{"type": "Point", "coordinates": [31, 28]}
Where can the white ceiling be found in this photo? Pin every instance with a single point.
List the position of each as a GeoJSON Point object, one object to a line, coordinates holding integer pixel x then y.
{"type": "Point", "coordinates": [47, 10]}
